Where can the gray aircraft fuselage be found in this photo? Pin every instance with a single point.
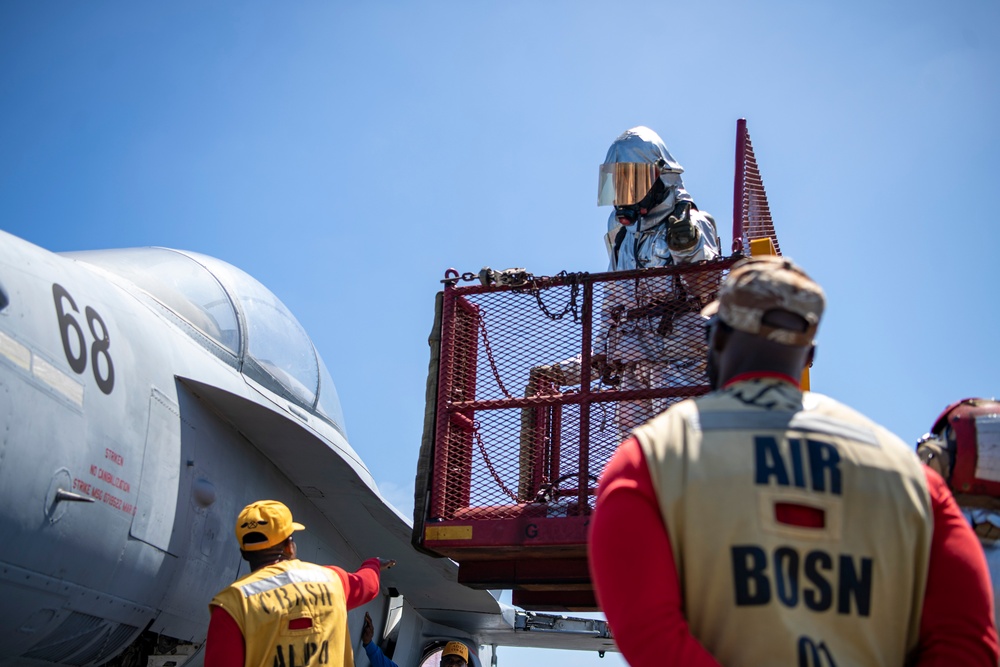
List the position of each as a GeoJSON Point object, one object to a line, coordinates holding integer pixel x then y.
{"type": "Point", "coordinates": [146, 396]}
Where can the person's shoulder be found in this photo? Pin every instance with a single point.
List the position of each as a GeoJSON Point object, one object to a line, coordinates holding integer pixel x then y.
{"type": "Point", "coordinates": [684, 409]}
{"type": "Point", "coordinates": [813, 401]}
{"type": "Point", "coordinates": [816, 403]}
{"type": "Point", "coordinates": [314, 566]}
{"type": "Point", "coordinates": [227, 592]}
{"type": "Point", "coordinates": [698, 213]}
{"type": "Point", "coordinates": [321, 571]}
{"type": "Point", "coordinates": [684, 412]}
{"type": "Point", "coordinates": [236, 588]}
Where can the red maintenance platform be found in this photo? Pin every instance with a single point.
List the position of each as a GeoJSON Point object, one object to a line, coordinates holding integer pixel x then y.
{"type": "Point", "coordinates": [533, 383]}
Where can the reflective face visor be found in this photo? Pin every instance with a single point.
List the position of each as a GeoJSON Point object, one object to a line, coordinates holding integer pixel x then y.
{"type": "Point", "coordinates": [625, 183]}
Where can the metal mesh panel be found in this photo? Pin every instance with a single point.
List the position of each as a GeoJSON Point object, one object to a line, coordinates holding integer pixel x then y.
{"type": "Point", "coordinates": [539, 383]}
{"type": "Point", "coordinates": [751, 213]}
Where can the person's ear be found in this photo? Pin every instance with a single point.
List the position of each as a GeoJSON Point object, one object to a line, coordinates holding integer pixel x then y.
{"type": "Point", "coordinates": [720, 337]}
{"type": "Point", "coordinates": [811, 356]}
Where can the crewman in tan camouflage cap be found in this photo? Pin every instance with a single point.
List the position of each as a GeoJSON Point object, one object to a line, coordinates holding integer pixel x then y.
{"type": "Point", "coordinates": [781, 527]}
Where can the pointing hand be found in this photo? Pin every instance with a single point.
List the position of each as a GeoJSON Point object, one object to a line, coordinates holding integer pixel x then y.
{"type": "Point", "coordinates": [367, 630]}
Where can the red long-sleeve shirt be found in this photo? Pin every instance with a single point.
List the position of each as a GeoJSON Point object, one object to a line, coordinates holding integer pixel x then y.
{"type": "Point", "coordinates": [224, 646]}
{"type": "Point", "coordinates": [645, 606]}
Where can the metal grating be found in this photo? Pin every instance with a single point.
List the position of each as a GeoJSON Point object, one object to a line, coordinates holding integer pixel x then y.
{"type": "Point", "coordinates": [527, 415]}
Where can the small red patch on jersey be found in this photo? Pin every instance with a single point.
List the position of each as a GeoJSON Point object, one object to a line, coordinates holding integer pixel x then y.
{"type": "Point", "coordinates": [300, 624]}
{"type": "Point", "coordinates": [803, 516]}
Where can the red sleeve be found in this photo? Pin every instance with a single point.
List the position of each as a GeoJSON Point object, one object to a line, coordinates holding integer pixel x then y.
{"type": "Point", "coordinates": [224, 644]}
{"type": "Point", "coordinates": [362, 586]}
{"type": "Point", "coordinates": [644, 608]}
{"type": "Point", "coordinates": [956, 624]}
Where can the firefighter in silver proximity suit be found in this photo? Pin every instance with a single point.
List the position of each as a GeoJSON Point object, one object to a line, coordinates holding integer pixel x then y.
{"type": "Point", "coordinates": [654, 223]}
{"type": "Point", "coordinates": [651, 331]}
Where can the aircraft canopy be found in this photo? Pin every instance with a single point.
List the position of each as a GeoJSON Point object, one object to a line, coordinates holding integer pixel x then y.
{"type": "Point", "coordinates": [217, 301]}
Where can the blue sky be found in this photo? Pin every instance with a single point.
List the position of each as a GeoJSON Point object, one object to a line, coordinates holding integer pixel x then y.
{"type": "Point", "coordinates": [346, 154]}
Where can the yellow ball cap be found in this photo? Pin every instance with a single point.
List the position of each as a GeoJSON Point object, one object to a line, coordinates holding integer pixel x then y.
{"type": "Point", "coordinates": [456, 648]}
{"type": "Point", "coordinates": [264, 524]}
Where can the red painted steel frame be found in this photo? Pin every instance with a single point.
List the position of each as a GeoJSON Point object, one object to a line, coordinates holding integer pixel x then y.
{"type": "Point", "coordinates": [526, 541]}
{"type": "Point", "coordinates": [458, 405]}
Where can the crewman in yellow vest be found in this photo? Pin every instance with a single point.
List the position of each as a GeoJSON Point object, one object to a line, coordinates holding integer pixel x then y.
{"type": "Point", "coordinates": [763, 525]}
{"type": "Point", "coordinates": [455, 654]}
{"type": "Point", "coordinates": [285, 612]}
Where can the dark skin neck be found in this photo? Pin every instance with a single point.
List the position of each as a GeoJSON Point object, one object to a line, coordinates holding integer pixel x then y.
{"type": "Point", "coordinates": [733, 353]}
{"type": "Point", "coordinates": [284, 551]}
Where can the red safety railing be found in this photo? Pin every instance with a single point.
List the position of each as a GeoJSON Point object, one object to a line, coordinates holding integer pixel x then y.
{"type": "Point", "coordinates": [527, 417]}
